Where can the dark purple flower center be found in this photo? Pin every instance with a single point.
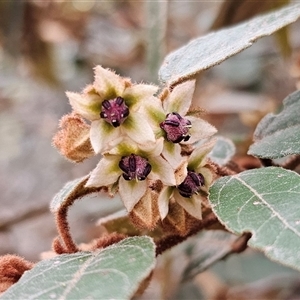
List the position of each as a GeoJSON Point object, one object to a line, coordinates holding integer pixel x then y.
{"type": "Point", "coordinates": [176, 127]}
{"type": "Point", "coordinates": [114, 111]}
{"type": "Point", "coordinates": [134, 167]}
{"type": "Point", "coordinates": [191, 184]}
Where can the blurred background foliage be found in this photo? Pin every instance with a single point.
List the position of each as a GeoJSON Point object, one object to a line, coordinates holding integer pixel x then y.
{"type": "Point", "coordinates": [48, 47]}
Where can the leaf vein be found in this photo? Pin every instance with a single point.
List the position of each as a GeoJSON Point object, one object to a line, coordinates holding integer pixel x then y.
{"type": "Point", "coordinates": [287, 225]}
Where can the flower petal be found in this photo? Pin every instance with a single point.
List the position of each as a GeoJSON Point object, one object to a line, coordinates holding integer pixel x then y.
{"type": "Point", "coordinates": [125, 147]}
{"type": "Point", "coordinates": [191, 205]}
{"type": "Point", "coordinates": [108, 84]}
{"type": "Point", "coordinates": [161, 170]}
{"type": "Point", "coordinates": [138, 129]}
{"type": "Point", "coordinates": [87, 105]}
{"type": "Point", "coordinates": [171, 152]}
{"type": "Point", "coordinates": [163, 201]}
{"type": "Point", "coordinates": [200, 130]}
{"type": "Point", "coordinates": [131, 192]}
{"type": "Point", "coordinates": [104, 136]}
{"type": "Point", "coordinates": [152, 149]}
{"type": "Point", "coordinates": [181, 172]}
{"type": "Point", "coordinates": [154, 113]}
{"type": "Point", "coordinates": [106, 172]}
{"type": "Point", "coordinates": [208, 177]}
{"type": "Point", "coordinates": [135, 94]}
{"type": "Point", "coordinates": [198, 156]}
{"type": "Point", "coordinates": [180, 98]}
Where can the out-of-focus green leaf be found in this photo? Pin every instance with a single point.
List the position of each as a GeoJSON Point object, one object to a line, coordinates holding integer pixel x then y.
{"type": "Point", "coordinates": [115, 272]}
{"type": "Point", "coordinates": [118, 222]}
{"type": "Point", "coordinates": [210, 50]}
{"type": "Point", "coordinates": [279, 135]}
{"type": "Point", "coordinates": [156, 17]}
{"type": "Point", "coordinates": [207, 249]}
{"type": "Point", "coordinates": [266, 203]}
{"type": "Point", "coordinates": [223, 151]}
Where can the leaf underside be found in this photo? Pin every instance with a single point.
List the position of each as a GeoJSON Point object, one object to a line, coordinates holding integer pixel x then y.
{"type": "Point", "coordinates": [205, 52]}
{"type": "Point", "coordinates": [278, 135]}
{"type": "Point", "coordinates": [223, 151]}
{"type": "Point", "coordinates": [265, 202]}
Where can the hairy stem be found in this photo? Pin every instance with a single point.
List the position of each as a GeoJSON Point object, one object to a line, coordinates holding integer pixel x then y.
{"type": "Point", "coordinates": [63, 229]}
{"type": "Point", "coordinates": [68, 245]}
{"type": "Point", "coordinates": [173, 240]}
{"type": "Point", "coordinates": [292, 163]}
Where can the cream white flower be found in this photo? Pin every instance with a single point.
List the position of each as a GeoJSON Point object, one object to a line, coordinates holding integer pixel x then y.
{"type": "Point", "coordinates": [169, 118]}
{"type": "Point", "coordinates": [195, 178]}
{"type": "Point", "coordinates": [131, 166]}
{"type": "Point", "coordinates": [111, 104]}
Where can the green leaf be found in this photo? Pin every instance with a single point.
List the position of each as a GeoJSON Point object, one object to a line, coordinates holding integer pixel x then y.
{"type": "Point", "coordinates": [112, 273]}
{"type": "Point", "coordinates": [223, 150]}
{"type": "Point", "coordinates": [210, 50]}
{"type": "Point", "coordinates": [62, 196]}
{"type": "Point", "coordinates": [208, 248]}
{"type": "Point", "coordinates": [279, 135]}
{"type": "Point", "coordinates": [70, 192]}
{"type": "Point", "coordinates": [266, 203]}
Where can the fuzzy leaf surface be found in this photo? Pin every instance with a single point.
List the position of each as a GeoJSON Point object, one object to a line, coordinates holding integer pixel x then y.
{"type": "Point", "coordinates": [266, 203]}
{"type": "Point", "coordinates": [222, 151]}
{"type": "Point", "coordinates": [207, 51]}
{"type": "Point", "coordinates": [112, 273]}
{"type": "Point", "coordinates": [278, 135]}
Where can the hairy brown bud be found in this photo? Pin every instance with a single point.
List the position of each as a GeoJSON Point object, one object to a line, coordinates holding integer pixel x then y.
{"type": "Point", "coordinates": [12, 268]}
{"type": "Point", "coordinates": [145, 214]}
{"type": "Point", "coordinates": [73, 140]}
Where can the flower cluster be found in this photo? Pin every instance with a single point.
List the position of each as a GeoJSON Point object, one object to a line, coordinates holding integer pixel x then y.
{"type": "Point", "coordinates": [152, 147]}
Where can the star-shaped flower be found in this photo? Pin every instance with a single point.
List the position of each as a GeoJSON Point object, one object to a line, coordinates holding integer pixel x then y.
{"type": "Point", "coordinates": [169, 117]}
{"type": "Point", "coordinates": [131, 166]}
{"type": "Point", "coordinates": [194, 179]}
{"type": "Point", "coordinates": [111, 104]}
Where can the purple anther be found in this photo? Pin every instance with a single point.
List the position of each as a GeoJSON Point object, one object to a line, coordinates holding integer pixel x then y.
{"type": "Point", "coordinates": [106, 104]}
{"type": "Point", "coordinates": [114, 111]}
{"type": "Point", "coordinates": [176, 127]}
{"type": "Point", "coordinates": [171, 123]}
{"type": "Point", "coordinates": [134, 167]}
{"type": "Point", "coordinates": [147, 170]}
{"type": "Point", "coordinates": [125, 113]}
{"type": "Point", "coordinates": [178, 115]}
{"type": "Point", "coordinates": [191, 184]}
{"type": "Point", "coordinates": [132, 163]}
{"type": "Point", "coordinates": [119, 101]}
{"type": "Point", "coordinates": [122, 166]}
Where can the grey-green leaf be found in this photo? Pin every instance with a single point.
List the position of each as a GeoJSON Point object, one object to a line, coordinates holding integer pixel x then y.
{"type": "Point", "coordinates": [72, 191]}
{"type": "Point", "coordinates": [223, 151]}
{"type": "Point", "coordinates": [278, 135]}
{"type": "Point", "coordinates": [265, 202]}
{"type": "Point", "coordinates": [206, 249]}
{"type": "Point", "coordinates": [115, 272]}
{"type": "Point", "coordinates": [62, 196]}
{"type": "Point", "coordinates": [210, 50]}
